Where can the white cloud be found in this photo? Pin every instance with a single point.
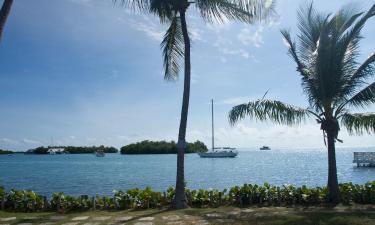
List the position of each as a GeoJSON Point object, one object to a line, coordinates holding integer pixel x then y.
{"type": "Point", "coordinates": [8, 141]}
{"type": "Point", "coordinates": [150, 29]}
{"type": "Point", "coordinates": [145, 25]}
{"type": "Point", "coordinates": [195, 34]}
{"type": "Point", "coordinates": [240, 52]}
{"type": "Point", "coordinates": [31, 142]}
{"type": "Point", "coordinates": [247, 37]}
{"type": "Point", "coordinates": [226, 47]}
{"type": "Point", "coordinates": [82, 2]}
{"type": "Point", "coordinates": [218, 27]}
{"type": "Point", "coordinates": [236, 100]}
{"type": "Point", "coordinates": [306, 135]}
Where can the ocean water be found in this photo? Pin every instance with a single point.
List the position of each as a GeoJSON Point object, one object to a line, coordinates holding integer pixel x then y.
{"type": "Point", "coordinates": [87, 174]}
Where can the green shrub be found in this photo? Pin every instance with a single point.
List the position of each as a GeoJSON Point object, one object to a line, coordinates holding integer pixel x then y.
{"type": "Point", "coordinates": [242, 196]}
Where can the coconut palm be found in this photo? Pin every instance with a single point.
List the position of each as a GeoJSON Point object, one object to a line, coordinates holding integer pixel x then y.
{"type": "Point", "coordinates": [4, 13]}
{"type": "Point", "coordinates": [176, 47]}
{"type": "Point", "coordinates": [331, 77]}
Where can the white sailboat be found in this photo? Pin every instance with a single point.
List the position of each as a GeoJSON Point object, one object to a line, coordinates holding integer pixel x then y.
{"type": "Point", "coordinates": [223, 152]}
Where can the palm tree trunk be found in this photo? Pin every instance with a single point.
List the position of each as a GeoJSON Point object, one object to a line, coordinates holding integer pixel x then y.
{"type": "Point", "coordinates": [179, 201]}
{"type": "Point", "coordinates": [333, 186]}
{"type": "Point", "coordinates": [4, 13]}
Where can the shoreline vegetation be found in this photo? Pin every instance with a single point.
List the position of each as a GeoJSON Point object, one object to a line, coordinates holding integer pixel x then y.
{"type": "Point", "coordinates": [143, 147]}
{"type": "Point", "coordinates": [247, 195]}
{"type": "Point", "coordinates": [5, 152]}
{"type": "Point", "coordinates": [161, 147]}
{"type": "Point", "coordinates": [73, 149]}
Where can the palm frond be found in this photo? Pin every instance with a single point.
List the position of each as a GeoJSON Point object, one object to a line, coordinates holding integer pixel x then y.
{"type": "Point", "coordinates": [136, 5]}
{"type": "Point", "coordinates": [366, 69]}
{"type": "Point", "coordinates": [359, 122]}
{"type": "Point", "coordinates": [309, 84]}
{"type": "Point", "coordinates": [326, 55]}
{"type": "Point", "coordinates": [263, 110]}
{"type": "Point", "coordinates": [173, 49]}
{"type": "Point", "coordinates": [239, 10]}
{"type": "Point", "coordinates": [363, 98]}
{"type": "Point", "coordinates": [347, 51]}
{"type": "Point", "coordinates": [293, 52]}
{"type": "Point", "coordinates": [350, 40]}
{"type": "Point", "coordinates": [163, 9]}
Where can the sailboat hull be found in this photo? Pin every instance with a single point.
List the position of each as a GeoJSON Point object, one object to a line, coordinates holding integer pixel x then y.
{"type": "Point", "coordinates": [221, 154]}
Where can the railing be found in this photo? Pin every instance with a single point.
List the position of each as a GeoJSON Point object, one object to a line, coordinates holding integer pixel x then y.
{"type": "Point", "coordinates": [364, 158]}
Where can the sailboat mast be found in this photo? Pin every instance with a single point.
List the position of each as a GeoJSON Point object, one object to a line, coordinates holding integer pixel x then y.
{"type": "Point", "coordinates": [212, 118]}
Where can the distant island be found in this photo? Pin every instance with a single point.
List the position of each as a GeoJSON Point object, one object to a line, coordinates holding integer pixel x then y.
{"type": "Point", "coordinates": [5, 152]}
{"type": "Point", "coordinates": [161, 147]}
{"type": "Point", "coordinates": [72, 149]}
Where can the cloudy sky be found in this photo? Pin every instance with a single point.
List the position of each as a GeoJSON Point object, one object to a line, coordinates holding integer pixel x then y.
{"type": "Point", "coordinates": [86, 72]}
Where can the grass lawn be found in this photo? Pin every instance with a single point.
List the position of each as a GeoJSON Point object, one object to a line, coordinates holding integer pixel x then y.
{"type": "Point", "coordinates": [360, 215]}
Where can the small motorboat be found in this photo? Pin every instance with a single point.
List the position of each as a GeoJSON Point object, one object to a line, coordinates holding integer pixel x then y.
{"type": "Point", "coordinates": [265, 148]}
{"type": "Point", "coordinates": [100, 153]}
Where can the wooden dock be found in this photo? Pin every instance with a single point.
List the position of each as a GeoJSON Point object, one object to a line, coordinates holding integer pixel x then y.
{"type": "Point", "coordinates": [364, 159]}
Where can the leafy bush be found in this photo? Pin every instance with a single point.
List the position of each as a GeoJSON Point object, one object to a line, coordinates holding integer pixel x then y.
{"type": "Point", "coordinates": [246, 195]}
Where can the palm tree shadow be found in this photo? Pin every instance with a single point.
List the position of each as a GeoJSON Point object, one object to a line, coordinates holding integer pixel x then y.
{"type": "Point", "coordinates": [145, 215]}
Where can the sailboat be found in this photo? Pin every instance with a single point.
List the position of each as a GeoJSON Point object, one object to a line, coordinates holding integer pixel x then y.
{"type": "Point", "coordinates": [223, 152]}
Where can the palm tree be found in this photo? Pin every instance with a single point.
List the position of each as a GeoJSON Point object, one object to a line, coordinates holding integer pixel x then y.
{"type": "Point", "coordinates": [332, 79]}
{"type": "Point", "coordinates": [176, 47]}
{"type": "Point", "coordinates": [4, 13]}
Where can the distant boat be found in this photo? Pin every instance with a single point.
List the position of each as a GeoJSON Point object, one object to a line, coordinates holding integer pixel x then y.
{"type": "Point", "coordinates": [265, 148]}
{"type": "Point", "coordinates": [224, 152]}
{"type": "Point", "coordinates": [100, 153]}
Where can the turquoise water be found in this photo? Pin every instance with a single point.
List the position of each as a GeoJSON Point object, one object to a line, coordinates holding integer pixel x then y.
{"type": "Point", "coordinates": [87, 174]}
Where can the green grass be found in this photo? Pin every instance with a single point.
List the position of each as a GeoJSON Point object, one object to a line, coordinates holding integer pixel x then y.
{"type": "Point", "coordinates": [342, 215]}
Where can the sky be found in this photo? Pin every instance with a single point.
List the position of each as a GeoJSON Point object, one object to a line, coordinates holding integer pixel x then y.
{"type": "Point", "coordinates": [88, 72]}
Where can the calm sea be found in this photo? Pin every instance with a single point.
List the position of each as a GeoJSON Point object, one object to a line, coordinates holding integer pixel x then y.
{"type": "Point", "coordinates": [87, 174]}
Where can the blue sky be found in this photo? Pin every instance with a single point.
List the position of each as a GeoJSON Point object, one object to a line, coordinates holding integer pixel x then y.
{"type": "Point", "coordinates": [86, 72]}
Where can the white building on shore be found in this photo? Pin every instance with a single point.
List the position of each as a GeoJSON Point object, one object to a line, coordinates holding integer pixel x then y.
{"type": "Point", "coordinates": [54, 151]}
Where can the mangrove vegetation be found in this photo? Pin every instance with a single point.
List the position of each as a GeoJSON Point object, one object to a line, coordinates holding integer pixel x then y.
{"type": "Point", "coordinates": [161, 147]}
{"type": "Point", "coordinates": [5, 152]}
{"type": "Point", "coordinates": [74, 149]}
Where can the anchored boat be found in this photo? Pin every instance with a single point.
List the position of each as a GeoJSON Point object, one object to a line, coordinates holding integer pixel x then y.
{"type": "Point", "coordinates": [224, 152]}
{"type": "Point", "coordinates": [265, 148]}
{"type": "Point", "coordinates": [100, 153]}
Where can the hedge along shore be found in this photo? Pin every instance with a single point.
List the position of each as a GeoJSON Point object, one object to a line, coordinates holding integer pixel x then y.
{"type": "Point", "coordinates": [242, 196]}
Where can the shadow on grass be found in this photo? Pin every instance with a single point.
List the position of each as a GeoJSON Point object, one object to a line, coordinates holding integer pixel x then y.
{"type": "Point", "coordinates": [287, 216]}
{"type": "Point", "coordinates": [134, 218]}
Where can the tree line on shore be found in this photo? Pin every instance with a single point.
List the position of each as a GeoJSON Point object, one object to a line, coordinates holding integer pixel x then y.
{"type": "Point", "coordinates": [74, 149]}
{"type": "Point", "coordinates": [5, 152]}
{"type": "Point", "coordinates": [143, 147]}
{"type": "Point", "coordinates": [161, 147]}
